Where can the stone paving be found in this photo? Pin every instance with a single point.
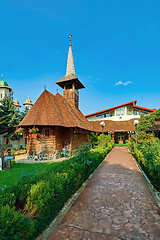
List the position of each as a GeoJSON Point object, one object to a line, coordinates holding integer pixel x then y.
{"type": "Point", "coordinates": [116, 204]}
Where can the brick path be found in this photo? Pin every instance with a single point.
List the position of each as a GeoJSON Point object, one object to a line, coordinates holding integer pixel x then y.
{"type": "Point", "coordinates": [116, 204]}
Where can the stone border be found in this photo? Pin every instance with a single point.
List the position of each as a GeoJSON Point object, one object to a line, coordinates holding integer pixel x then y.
{"type": "Point", "coordinates": [154, 192]}
{"type": "Point", "coordinates": [43, 161]}
{"type": "Point", "coordinates": [67, 206]}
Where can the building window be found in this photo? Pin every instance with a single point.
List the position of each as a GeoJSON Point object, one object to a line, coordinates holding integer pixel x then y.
{"type": "Point", "coordinates": [143, 113]}
{"type": "Point", "coordinates": [106, 115]}
{"type": "Point", "coordinates": [135, 112]}
{"type": "Point", "coordinates": [129, 110]}
{"type": "Point", "coordinates": [1, 95]}
{"type": "Point", "coordinates": [120, 111]}
{"type": "Point", "coordinates": [99, 116]}
{"type": "Point", "coordinates": [112, 113]}
{"type": "Point", "coordinates": [69, 86]}
{"type": "Point", "coordinates": [46, 132]}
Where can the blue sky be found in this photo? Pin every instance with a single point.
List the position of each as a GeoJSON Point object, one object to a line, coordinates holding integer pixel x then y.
{"type": "Point", "coordinates": [113, 42]}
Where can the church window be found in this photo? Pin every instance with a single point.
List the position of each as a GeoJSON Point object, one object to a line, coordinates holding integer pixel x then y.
{"type": "Point", "coordinates": [1, 95]}
{"type": "Point", "coordinates": [46, 132]}
{"type": "Point", "coordinates": [69, 86]}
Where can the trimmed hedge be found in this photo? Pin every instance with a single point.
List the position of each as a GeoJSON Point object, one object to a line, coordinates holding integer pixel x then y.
{"type": "Point", "coordinates": [148, 156]}
{"type": "Point", "coordinates": [29, 206]}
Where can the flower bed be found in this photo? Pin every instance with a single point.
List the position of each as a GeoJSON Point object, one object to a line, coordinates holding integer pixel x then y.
{"type": "Point", "coordinates": [29, 206]}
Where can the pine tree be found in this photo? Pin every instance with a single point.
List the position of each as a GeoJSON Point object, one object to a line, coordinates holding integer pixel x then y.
{"type": "Point", "coordinates": [23, 114]}
{"type": "Point", "coordinates": [9, 118]}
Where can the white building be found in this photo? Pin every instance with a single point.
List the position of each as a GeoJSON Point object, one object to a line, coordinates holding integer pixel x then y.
{"type": "Point", "coordinates": [119, 120]}
{"type": "Point", "coordinates": [124, 112]}
{"type": "Point", "coordinates": [28, 103]}
{"type": "Point", "coordinates": [5, 90]}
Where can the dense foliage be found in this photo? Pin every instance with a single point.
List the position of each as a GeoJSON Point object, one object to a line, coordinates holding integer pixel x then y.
{"type": "Point", "coordinates": [145, 122]}
{"type": "Point", "coordinates": [147, 152]}
{"type": "Point", "coordinates": [23, 114]}
{"type": "Point", "coordinates": [30, 205]}
{"type": "Point", "coordinates": [10, 117]}
{"type": "Point", "coordinates": [97, 140]}
{"type": "Point", "coordinates": [148, 156]}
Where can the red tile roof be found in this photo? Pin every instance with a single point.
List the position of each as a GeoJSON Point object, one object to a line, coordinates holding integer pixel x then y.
{"type": "Point", "coordinates": [133, 103]}
{"type": "Point", "coordinates": [54, 110]}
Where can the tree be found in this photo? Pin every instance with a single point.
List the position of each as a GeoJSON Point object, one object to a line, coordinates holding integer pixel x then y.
{"type": "Point", "coordinates": [23, 114]}
{"type": "Point", "coordinates": [9, 118]}
{"type": "Point", "coordinates": [145, 123]}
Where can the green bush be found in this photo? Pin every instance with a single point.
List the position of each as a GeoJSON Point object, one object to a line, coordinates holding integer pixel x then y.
{"type": "Point", "coordinates": [40, 196]}
{"type": "Point", "coordinates": [96, 140]}
{"type": "Point", "coordinates": [14, 225]}
{"type": "Point", "coordinates": [148, 156]}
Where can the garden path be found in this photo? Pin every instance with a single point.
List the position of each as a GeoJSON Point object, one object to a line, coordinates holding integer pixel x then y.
{"type": "Point", "coordinates": [116, 204]}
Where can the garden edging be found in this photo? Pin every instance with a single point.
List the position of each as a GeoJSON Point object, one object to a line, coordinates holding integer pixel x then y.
{"type": "Point", "coordinates": [154, 192]}
{"type": "Point", "coordinates": [67, 206]}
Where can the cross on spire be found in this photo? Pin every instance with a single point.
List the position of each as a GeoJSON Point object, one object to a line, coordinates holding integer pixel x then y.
{"type": "Point", "coordinates": [2, 76]}
{"type": "Point", "coordinates": [70, 36]}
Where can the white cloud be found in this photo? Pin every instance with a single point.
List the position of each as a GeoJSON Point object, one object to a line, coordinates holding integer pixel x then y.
{"type": "Point", "coordinates": [123, 83]}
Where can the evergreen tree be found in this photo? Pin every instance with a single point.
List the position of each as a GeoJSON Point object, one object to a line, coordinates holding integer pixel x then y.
{"type": "Point", "coordinates": [9, 118]}
{"type": "Point", "coordinates": [23, 114]}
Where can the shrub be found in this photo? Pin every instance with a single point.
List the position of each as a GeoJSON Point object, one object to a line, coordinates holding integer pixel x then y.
{"type": "Point", "coordinates": [14, 225]}
{"type": "Point", "coordinates": [42, 195]}
{"type": "Point", "coordinates": [148, 156]}
{"type": "Point", "coordinates": [106, 139]}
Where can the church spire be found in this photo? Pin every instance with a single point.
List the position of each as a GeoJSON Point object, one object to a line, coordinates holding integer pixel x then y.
{"type": "Point", "coordinates": [70, 63]}
{"type": "Point", "coordinates": [70, 83]}
{"type": "Point", "coordinates": [70, 76]}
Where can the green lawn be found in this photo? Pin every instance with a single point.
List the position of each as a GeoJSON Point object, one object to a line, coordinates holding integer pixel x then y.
{"type": "Point", "coordinates": [117, 144]}
{"type": "Point", "coordinates": [11, 176]}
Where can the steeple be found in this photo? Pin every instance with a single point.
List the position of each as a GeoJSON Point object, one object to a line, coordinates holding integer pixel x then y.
{"type": "Point", "coordinates": [70, 64]}
{"type": "Point", "coordinates": [70, 83]}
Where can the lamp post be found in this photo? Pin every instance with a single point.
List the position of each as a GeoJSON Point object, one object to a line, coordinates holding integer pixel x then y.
{"type": "Point", "coordinates": [102, 124]}
{"type": "Point", "coordinates": [1, 152]}
{"type": "Point", "coordinates": [135, 123]}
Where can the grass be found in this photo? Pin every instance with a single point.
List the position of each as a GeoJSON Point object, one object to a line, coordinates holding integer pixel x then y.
{"type": "Point", "coordinates": [11, 176]}
{"type": "Point", "coordinates": [117, 144]}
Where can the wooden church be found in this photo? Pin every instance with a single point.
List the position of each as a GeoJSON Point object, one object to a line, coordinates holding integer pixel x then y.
{"type": "Point", "coordinates": [58, 118]}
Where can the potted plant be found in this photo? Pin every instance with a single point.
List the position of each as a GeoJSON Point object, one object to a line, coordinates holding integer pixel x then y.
{"type": "Point", "coordinates": [19, 131]}
{"type": "Point", "coordinates": [33, 130]}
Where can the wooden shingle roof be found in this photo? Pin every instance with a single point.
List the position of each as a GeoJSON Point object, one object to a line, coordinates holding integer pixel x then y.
{"type": "Point", "coordinates": [114, 126]}
{"type": "Point", "coordinates": [54, 110]}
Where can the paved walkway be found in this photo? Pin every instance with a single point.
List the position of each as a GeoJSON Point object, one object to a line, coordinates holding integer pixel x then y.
{"type": "Point", "coordinates": [116, 204]}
